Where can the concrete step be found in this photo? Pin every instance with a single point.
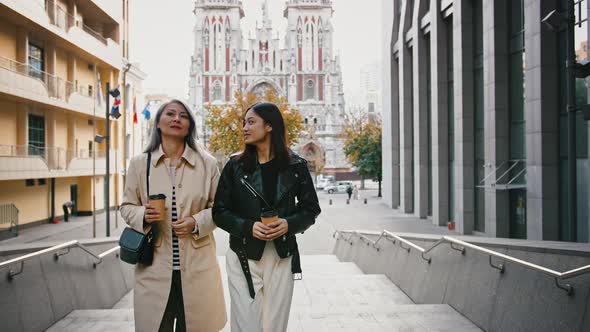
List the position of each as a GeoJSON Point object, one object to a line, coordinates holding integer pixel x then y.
{"type": "Point", "coordinates": [342, 292]}
{"type": "Point", "coordinates": [120, 320]}
{"type": "Point", "coordinates": [330, 269]}
{"type": "Point", "coordinates": [415, 318]}
{"type": "Point", "coordinates": [333, 296]}
{"type": "Point", "coordinates": [319, 259]}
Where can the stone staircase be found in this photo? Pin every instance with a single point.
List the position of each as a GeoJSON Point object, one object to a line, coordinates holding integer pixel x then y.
{"type": "Point", "coordinates": [333, 296]}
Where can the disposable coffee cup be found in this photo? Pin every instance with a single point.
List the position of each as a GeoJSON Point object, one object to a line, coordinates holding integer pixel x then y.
{"type": "Point", "coordinates": [269, 216]}
{"type": "Point", "coordinates": [159, 203]}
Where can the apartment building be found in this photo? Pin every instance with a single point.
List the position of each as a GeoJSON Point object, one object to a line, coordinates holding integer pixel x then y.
{"type": "Point", "coordinates": [54, 56]}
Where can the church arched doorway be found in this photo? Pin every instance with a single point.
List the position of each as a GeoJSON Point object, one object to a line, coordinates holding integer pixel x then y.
{"type": "Point", "coordinates": [315, 156]}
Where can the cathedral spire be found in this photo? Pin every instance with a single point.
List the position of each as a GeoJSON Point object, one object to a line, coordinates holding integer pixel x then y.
{"type": "Point", "coordinates": [266, 22]}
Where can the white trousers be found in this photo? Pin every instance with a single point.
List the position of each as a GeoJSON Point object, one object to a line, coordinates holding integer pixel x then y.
{"type": "Point", "coordinates": [273, 283]}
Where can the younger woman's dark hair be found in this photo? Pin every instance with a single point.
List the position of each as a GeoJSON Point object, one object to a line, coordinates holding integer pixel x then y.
{"type": "Point", "coordinates": [271, 115]}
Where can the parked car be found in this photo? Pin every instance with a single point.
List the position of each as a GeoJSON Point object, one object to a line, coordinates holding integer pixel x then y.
{"type": "Point", "coordinates": [324, 181]}
{"type": "Point", "coordinates": [338, 187]}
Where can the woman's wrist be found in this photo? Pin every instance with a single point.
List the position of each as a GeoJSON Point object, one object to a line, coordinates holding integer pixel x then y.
{"type": "Point", "coordinates": [196, 228]}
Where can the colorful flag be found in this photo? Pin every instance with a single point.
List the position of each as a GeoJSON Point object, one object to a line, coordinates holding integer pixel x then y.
{"type": "Point", "coordinates": [146, 112]}
{"type": "Point", "coordinates": [115, 109]}
{"type": "Point", "coordinates": [134, 111]}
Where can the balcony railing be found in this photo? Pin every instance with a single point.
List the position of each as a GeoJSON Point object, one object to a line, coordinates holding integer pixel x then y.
{"type": "Point", "coordinates": [65, 21]}
{"type": "Point", "coordinates": [56, 86]}
{"type": "Point", "coordinates": [31, 158]}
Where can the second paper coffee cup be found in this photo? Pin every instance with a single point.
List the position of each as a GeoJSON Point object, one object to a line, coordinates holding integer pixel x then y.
{"type": "Point", "coordinates": [269, 216]}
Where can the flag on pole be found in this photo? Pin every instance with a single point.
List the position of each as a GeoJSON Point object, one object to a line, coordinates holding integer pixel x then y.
{"type": "Point", "coordinates": [99, 91]}
{"type": "Point", "coordinates": [146, 112]}
{"type": "Point", "coordinates": [115, 109]}
{"type": "Point", "coordinates": [134, 111]}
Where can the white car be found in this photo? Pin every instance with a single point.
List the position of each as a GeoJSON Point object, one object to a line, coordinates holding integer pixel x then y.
{"type": "Point", "coordinates": [338, 187]}
{"type": "Point", "coordinates": [324, 181]}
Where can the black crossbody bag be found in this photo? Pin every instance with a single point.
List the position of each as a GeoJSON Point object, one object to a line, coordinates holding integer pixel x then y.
{"type": "Point", "coordinates": [137, 247]}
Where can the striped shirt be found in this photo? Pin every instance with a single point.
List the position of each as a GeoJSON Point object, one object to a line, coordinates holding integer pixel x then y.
{"type": "Point", "coordinates": [175, 248]}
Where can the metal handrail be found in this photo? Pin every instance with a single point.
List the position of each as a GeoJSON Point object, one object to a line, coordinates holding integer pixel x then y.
{"type": "Point", "coordinates": [558, 276]}
{"type": "Point", "coordinates": [56, 250]}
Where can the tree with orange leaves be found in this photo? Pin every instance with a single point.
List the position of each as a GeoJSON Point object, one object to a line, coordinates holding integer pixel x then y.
{"type": "Point", "coordinates": [226, 121]}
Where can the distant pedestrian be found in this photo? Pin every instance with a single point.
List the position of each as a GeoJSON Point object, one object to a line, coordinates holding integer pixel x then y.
{"type": "Point", "coordinates": [349, 191]}
{"type": "Point", "coordinates": [355, 192]}
{"type": "Point", "coordinates": [67, 205]}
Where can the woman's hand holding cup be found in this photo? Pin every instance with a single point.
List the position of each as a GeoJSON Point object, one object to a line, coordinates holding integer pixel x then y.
{"type": "Point", "coordinates": [278, 228]}
{"type": "Point", "coordinates": [270, 231]}
{"type": "Point", "coordinates": [152, 214]}
{"type": "Point", "coordinates": [259, 231]}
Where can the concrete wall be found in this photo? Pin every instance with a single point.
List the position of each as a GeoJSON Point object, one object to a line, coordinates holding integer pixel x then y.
{"type": "Point", "coordinates": [49, 289]}
{"type": "Point", "coordinates": [7, 40]}
{"type": "Point", "coordinates": [517, 300]}
{"type": "Point", "coordinates": [32, 202]}
{"type": "Point", "coordinates": [61, 130]}
{"type": "Point", "coordinates": [8, 118]}
{"type": "Point", "coordinates": [85, 75]}
{"type": "Point", "coordinates": [61, 69]}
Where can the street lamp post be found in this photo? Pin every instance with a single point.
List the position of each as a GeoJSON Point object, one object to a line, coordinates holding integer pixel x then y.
{"type": "Point", "coordinates": [107, 175]}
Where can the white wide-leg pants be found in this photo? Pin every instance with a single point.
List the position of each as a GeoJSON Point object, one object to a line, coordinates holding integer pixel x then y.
{"type": "Point", "coordinates": [273, 283]}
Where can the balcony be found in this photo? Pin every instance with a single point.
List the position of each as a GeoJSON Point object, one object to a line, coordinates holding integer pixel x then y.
{"type": "Point", "coordinates": [87, 38]}
{"type": "Point", "coordinates": [25, 81]}
{"type": "Point", "coordinates": [30, 162]}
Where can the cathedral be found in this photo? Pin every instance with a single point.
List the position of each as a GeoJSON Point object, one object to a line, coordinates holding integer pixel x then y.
{"type": "Point", "coordinates": [302, 67]}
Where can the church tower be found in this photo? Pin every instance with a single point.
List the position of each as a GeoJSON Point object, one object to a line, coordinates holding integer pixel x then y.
{"type": "Point", "coordinates": [218, 40]}
{"type": "Point", "coordinates": [315, 79]}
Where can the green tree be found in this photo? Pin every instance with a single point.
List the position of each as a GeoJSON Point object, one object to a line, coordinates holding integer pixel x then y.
{"type": "Point", "coordinates": [226, 121]}
{"type": "Point", "coordinates": [362, 146]}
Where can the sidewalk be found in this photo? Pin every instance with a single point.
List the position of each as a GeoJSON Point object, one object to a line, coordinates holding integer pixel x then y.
{"type": "Point", "coordinates": [77, 228]}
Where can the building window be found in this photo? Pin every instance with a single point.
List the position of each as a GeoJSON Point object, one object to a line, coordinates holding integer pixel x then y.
{"type": "Point", "coordinates": [41, 182]}
{"type": "Point", "coordinates": [216, 91]}
{"type": "Point", "coordinates": [29, 182]}
{"type": "Point", "coordinates": [36, 134]}
{"type": "Point", "coordinates": [309, 90]}
{"type": "Point", "coordinates": [36, 61]}
{"type": "Point", "coordinates": [517, 147]}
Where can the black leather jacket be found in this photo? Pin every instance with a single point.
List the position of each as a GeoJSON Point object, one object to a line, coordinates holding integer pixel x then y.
{"type": "Point", "coordinates": [235, 210]}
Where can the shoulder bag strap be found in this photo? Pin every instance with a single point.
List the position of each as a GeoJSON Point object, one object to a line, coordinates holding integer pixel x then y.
{"type": "Point", "coordinates": [147, 173]}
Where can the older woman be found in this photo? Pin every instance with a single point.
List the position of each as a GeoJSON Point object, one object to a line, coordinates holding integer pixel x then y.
{"type": "Point", "coordinates": [183, 284]}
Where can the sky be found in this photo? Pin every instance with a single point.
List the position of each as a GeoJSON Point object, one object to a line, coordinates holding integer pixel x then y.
{"type": "Point", "coordinates": [162, 41]}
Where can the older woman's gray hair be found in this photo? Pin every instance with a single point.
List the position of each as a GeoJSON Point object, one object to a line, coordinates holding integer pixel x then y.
{"type": "Point", "coordinates": [156, 135]}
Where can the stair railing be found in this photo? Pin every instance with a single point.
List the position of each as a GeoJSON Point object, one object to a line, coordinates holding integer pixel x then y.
{"type": "Point", "coordinates": [57, 250]}
{"type": "Point", "coordinates": [461, 246]}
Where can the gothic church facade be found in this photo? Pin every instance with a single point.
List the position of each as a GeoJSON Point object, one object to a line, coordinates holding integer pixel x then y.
{"type": "Point", "coordinates": [302, 67]}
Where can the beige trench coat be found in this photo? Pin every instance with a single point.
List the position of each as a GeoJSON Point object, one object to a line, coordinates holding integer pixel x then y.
{"type": "Point", "coordinates": [202, 290]}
